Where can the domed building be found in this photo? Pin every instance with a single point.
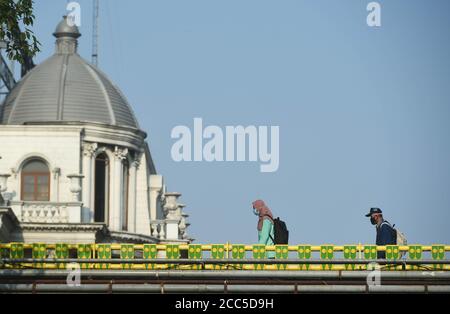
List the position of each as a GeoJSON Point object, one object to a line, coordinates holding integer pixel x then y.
{"type": "Point", "coordinates": [74, 164]}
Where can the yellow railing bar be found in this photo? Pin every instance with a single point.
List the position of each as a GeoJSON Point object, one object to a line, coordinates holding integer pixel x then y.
{"type": "Point", "coordinates": [228, 246]}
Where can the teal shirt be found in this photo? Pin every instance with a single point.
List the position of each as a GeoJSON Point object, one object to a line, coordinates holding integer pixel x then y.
{"type": "Point", "coordinates": [264, 238]}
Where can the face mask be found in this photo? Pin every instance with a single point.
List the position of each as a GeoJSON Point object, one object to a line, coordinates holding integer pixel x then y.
{"type": "Point", "coordinates": [373, 221]}
{"type": "Point", "coordinates": [255, 211]}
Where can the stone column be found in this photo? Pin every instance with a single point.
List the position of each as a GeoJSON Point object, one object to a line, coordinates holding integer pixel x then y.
{"type": "Point", "coordinates": [55, 191]}
{"type": "Point", "coordinates": [183, 222]}
{"type": "Point", "coordinates": [183, 226]}
{"type": "Point", "coordinates": [172, 214]}
{"type": "Point", "coordinates": [115, 220]}
{"type": "Point", "coordinates": [172, 229]}
{"type": "Point", "coordinates": [3, 181]}
{"type": "Point", "coordinates": [132, 194]}
{"type": "Point", "coordinates": [88, 172]}
{"type": "Point", "coordinates": [156, 188]}
{"type": "Point", "coordinates": [3, 186]}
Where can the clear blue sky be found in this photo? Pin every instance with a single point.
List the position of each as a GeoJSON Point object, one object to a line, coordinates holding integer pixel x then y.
{"type": "Point", "coordinates": [363, 113]}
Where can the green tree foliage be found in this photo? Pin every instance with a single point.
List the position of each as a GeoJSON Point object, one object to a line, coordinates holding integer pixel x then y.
{"type": "Point", "coordinates": [20, 45]}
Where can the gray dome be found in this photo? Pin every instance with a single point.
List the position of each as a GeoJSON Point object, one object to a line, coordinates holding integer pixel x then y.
{"type": "Point", "coordinates": [66, 88]}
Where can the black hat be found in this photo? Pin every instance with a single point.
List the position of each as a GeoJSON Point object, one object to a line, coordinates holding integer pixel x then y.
{"type": "Point", "coordinates": [374, 211]}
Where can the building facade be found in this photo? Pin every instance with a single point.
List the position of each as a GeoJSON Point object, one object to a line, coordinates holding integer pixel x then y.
{"type": "Point", "coordinates": [74, 164]}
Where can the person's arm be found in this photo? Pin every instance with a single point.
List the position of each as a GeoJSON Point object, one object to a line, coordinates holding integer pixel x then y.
{"type": "Point", "coordinates": [265, 232]}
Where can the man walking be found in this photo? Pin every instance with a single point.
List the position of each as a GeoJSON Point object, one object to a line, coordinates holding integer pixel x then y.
{"type": "Point", "coordinates": [385, 232]}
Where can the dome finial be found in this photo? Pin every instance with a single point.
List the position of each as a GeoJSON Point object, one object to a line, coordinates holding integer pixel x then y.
{"type": "Point", "coordinates": [66, 28]}
{"type": "Point", "coordinates": [66, 34]}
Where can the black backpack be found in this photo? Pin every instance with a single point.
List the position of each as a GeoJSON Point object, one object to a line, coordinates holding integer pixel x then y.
{"type": "Point", "coordinates": [281, 232]}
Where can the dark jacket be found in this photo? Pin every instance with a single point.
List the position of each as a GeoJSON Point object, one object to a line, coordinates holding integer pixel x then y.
{"type": "Point", "coordinates": [385, 236]}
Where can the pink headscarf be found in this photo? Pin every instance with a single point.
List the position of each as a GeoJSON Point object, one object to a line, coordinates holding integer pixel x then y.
{"type": "Point", "coordinates": [264, 212]}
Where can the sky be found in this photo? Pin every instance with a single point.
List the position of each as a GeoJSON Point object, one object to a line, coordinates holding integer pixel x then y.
{"type": "Point", "coordinates": [363, 112]}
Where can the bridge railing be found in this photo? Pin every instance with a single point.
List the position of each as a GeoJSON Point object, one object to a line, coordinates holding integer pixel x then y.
{"type": "Point", "coordinates": [223, 256]}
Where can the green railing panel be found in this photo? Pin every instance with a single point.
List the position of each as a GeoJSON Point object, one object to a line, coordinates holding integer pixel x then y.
{"type": "Point", "coordinates": [104, 252]}
{"type": "Point", "coordinates": [218, 252]}
{"type": "Point", "coordinates": [16, 250]}
{"type": "Point", "coordinates": [127, 252]}
{"type": "Point", "coordinates": [238, 252]}
{"type": "Point", "coordinates": [281, 252]}
{"type": "Point", "coordinates": [172, 252]}
{"type": "Point", "coordinates": [350, 253]}
{"type": "Point", "coordinates": [150, 252]}
{"type": "Point", "coordinates": [195, 252]}
{"type": "Point", "coordinates": [61, 251]}
{"type": "Point", "coordinates": [4, 252]}
{"type": "Point", "coordinates": [415, 253]}
{"type": "Point", "coordinates": [438, 253]}
{"type": "Point", "coordinates": [392, 252]}
{"type": "Point", "coordinates": [326, 253]}
{"type": "Point", "coordinates": [304, 252]}
{"type": "Point", "coordinates": [370, 252]}
{"type": "Point", "coordinates": [84, 251]}
{"type": "Point", "coordinates": [39, 251]}
{"type": "Point", "coordinates": [259, 252]}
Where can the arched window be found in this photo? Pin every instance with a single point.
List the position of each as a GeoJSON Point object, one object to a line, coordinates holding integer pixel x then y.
{"type": "Point", "coordinates": [35, 181]}
{"type": "Point", "coordinates": [101, 188]}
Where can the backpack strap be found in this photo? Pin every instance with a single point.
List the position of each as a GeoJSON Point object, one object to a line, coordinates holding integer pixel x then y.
{"type": "Point", "coordinates": [273, 223]}
{"type": "Point", "coordinates": [273, 220]}
{"type": "Point", "coordinates": [389, 225]}
{"type": "Point", "coordinates": [272, 239]}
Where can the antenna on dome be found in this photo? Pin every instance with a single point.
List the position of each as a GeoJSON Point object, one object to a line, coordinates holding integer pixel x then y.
{"type": "Point", "coordinates": [95, 33]}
